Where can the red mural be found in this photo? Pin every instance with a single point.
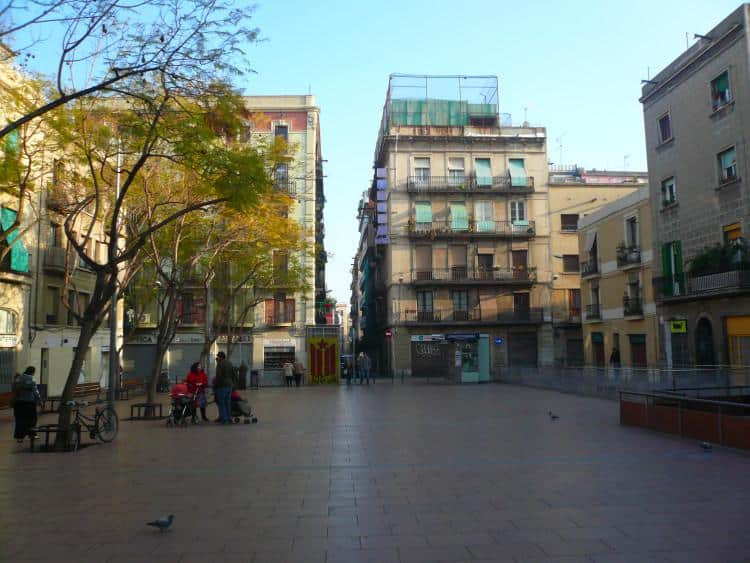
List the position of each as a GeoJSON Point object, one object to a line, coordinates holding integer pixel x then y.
{"type": "Point", "coordinates": [322, 362]}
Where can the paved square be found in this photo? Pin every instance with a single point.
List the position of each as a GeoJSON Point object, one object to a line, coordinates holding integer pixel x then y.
{"type": "Point", "coordinates": [383, 473]}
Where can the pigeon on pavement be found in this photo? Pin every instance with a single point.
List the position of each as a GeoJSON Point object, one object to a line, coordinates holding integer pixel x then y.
{"type": "Point", "coordinates": [706, 446]}
{"type": "Point", "coordinates": [162, 523]}
{"type": "Point", "coordinates": [552, 416]}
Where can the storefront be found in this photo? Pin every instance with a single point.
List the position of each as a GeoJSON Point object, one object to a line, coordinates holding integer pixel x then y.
{"type": "Point", "coordinates": [462, 357]}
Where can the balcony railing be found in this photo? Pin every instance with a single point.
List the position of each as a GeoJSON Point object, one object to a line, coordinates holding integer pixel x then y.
{"type": "Point", "coordinates": [571, 315]}
{"type": "Point", "coordinates": [632, 306]}
{"type": "Point", "coordinates": [447, 316]}
{"type": "Point", "coordinates": [590, 268]}
{"type": "Point", "coordinates": [716, 283]}
{"type": "Point", "coordinates": [286, 186]}
{"type": "Point", "coordinates": [462, 274]}
{"type": "Point", "coordinates": [593, 312]}
{"type": "Point", "coordinates": [470, 183]}
{"type": "Point", "coordinates": [471, 227]}
{"type": "Point", "coordinates": [54, 258]}
{"type": "Point", "coordinates": [629, 257]}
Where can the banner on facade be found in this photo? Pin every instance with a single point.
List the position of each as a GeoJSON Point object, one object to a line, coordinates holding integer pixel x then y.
{"type": "Point", "coordinates": [323, 359]}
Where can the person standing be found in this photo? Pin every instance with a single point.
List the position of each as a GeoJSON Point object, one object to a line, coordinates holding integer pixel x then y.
{"type": "Point", "coordinates": [614, 358]}
{"type": "Point", "coordinates": [299, 371]}
{"type": "Point", "coordinates": [197, 382]}
{"type": "Point", "coordinates": [224, 382]}
{"type": "Point", "coordinates": [288, 370]}
{"type": "Point", "coordinates": [243, 375]}
{"type": "Point", "coordinates": [364, 367]}
{"type": "Point", "coordinates": [25, 398]}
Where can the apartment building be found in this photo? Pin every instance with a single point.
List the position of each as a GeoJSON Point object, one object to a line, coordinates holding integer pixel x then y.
{"type": "Point", "coordinates": [698, 160]}
{"type": "Point", "coordinates": [575, 193]}
{"type": "Point", "coordinates": [459, 228]}
{"type": "Point", "coordinates": [619, 312]}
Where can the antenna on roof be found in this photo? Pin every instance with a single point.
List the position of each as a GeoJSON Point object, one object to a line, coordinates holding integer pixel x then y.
{"type": "Point", "coordinates": [525, 121]}
{"type": "Point", "coordinates": [559, 141]}
{"type": "Point", "coordinates": [699, 36]}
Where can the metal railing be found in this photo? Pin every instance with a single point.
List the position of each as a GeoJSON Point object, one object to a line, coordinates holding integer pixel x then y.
{"type": "Point", "coordinates": [462, 274]}
{"type": "Point", "coordinates": [470, 183]}
{"type": "Point", "coordinates": [472, 227]}
{"type": "Point", "coordinates": [632, 306]}
{"type": "Point", "coordinates": [629, 257]}
{"type": "Point", "coordinates": [686, 285]}
{"type": "Point", "coordinates": [54, 258]}
{"type": "Point", "coordinates": [589, 268]}
{"type": "Point", "coordinates": [286, 186]}
{"type": "Point", "coordinates": [593, 312]}
{"type": "Point", "coordinates": [529, 315]}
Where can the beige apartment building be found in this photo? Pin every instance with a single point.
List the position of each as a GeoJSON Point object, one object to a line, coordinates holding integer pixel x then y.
{"type": "Point", "coordinates": [461, 234]}
{"type": "Point", "coordinates": [619, 312]}
{"type": "Point", "coordinates": [698, 159]}
{"type": "Point", "coordinates": [574, 194]}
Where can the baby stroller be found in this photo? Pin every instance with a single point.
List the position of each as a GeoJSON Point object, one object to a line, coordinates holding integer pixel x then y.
{"type": "Point", "coordinates": [241, 409]}
{"type": "Point", "coordinates": [182, 408]}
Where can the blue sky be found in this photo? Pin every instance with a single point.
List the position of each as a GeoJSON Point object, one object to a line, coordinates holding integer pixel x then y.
{"type": "Point", "coordinates": [575, 65]}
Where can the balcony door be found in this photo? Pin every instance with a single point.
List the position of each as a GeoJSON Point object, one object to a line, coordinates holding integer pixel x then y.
{"type": "Point", "coordinates": [521, 305]}
{"type": "Point", "coordinates": [520, 264]}
{"type": "Point", "coordinates": [460, 301]}
{"type": "Point", "coordinates": [423, 262]}
{"type": "Point", "coordinates": [424, 306]}
{"type": "Point", "coordinates": [457, 261]}
{"type": "Point", "coordinates": [485, 265]}
{"type": "Point", "coordinates": [422, 171]}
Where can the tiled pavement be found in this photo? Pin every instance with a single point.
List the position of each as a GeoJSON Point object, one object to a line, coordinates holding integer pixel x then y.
{"type": "Point", "coordinates": [385, 473]}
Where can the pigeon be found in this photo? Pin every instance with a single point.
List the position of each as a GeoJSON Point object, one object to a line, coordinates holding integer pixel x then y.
{"type": "Point", "coordinates": [162, 523]}
{"type": "Point", "coordinates": [552, 416]}
{"type": "Point", "coordinates": [706, 446]}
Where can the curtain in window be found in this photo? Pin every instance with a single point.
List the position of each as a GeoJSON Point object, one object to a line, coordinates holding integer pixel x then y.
{"type": "Point", "coordinates": [483, 216]}
{"type": "Point", "coordinates": [424, 212]}
{"type": "Point", "coordinates": [727, 159]}
{"type": "Point", "coordinates": [483, 171]}
{"type": "Point", "coordinates": [517, 172]}
{"type": "Point", "coordinates": [459, 218]}
{"type": "Point", "coordinates": [19, 257]}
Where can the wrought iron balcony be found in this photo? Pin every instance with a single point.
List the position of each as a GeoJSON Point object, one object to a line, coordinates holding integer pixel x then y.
{"type": "Point", "coordinates": [471, 227]}
{"type": "Point", "coordinates": [718, 283]}
{"type": "Point", "coordinates": [632, 306]}
{"type": "Point", "coordinates": [590, 268]}
{"type": "Point", "coordinates": [593, 312]}
{"type": "Point", "coordinates": [627, 257]}
{"type": "Point", "coordinates": [472, 276]}
{"type": "Point", "coordinates": [470, 183]}
{"type": "Point", "coordinates": [533, 315]}
{"type": "Point", "coordinates": [285, 185]}
{"type": "Point", "coordinates": [54, 259]}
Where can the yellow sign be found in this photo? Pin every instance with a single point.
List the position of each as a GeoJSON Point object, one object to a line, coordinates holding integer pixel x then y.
{"type": "Point", "coordinates": [678, 327]}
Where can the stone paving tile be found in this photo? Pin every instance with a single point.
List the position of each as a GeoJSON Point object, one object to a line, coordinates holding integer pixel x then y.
{"type": "Point", "coordinates": [505, 549]}
{"type": "Point", "coordinates": [423, 554]}
{"type": "Point", "coordinates": [375, 555]}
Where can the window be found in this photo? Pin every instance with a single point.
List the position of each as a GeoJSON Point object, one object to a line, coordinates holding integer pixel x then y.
{"type": "Point", "coordinates": [727, 166]}
{"type": "Point", "coordinates": [424, 213]}
{"type": "Point", "coordinates": [732, 232]}
{"type": "Point", "coordinates": [424, 306]}
{"type": "Point", "coordinates": [668, 191]}
{"type": "Point", "coordinates": [280, 266]}
{"type": "Point", "coordinates": [517, 172]}
{"type": "Point", "coordinates": [483, 217]}
{"type": "Point", "coordinates": [52, 305]}
{"type": "Point", "coordinates": [281, 175]}
{"type": "Point", "coordinates": [518, 211]}
{"type": "Point", "coordinates": [483, 171]}
{"type": "Point", "coordinates": [574, 302]}
{"type": "Point", "coordinates": [281, 131]}
{"type": "Point", "coordinates": [631, 232]}
{"type": "Point", "coordinates": [570, 263]}
{"type": "Point", "coordinates": [7, 322]}
{"type": "Point", "coordinates": [456, 172]}
{"type": "Point", "coordinates": [422, 170]}
{"type": "Point", "coordinates": [460, 301]}
{"type": "Point", "coordinates": [671, 254]}
{"type": "Point", "coordinates": [721, 95]}
{"type": "Point", "coordinates": [19, 257]}
{"type": "Point", "coordinates": [665, 129]}
{"type": "Point", "coordinates": [569, 222]}
{"type": "Point", "coordinates": [485, 264]}
{"type": "Point", "coordinates": [55, 235]}
{"type": "Point", "coordinates": [459, 218]}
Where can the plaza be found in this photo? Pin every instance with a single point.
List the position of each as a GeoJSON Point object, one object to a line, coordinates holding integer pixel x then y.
{"type": "Point", "coordinates": [381, 473]}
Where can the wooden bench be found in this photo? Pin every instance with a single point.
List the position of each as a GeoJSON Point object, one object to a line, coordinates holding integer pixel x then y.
{"type": "Point", "coordinates": [146, 411]}
{"type": "Point", "coordinates": [129, 385]}
{"type": "Point", "coordinates": [81, 390]}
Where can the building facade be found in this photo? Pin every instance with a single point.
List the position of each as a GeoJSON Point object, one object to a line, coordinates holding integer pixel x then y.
{"type": "Point", "coordinates": [698, 160]}
{"type": "Point", "coordinates": [456, 235]}
{"type": "Point", "coordinates": [575, 193]}
{"type": "Point", "coordinates": [617, 298]}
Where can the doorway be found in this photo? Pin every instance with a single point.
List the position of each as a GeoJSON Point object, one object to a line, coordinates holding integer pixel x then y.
{"type": "Point", "coordinates": [704, 343]}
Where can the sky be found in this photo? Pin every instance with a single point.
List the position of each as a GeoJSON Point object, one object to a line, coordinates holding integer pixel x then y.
{"type": "Point", "coordinates": [574, 67]}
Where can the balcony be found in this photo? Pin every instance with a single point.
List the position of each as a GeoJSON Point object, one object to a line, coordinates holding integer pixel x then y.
{"type": "Point", "coordinates": [54, 259]}
{"type": "Point", "coordinates": [534, 315]}
{"type": "Point", "coordinates": [503, 184]}
{"type": "Point", "coordinates": [471, 228]}
{"type": "Point", "coordinates": [590, 268]}
{"type": "Point", "coordinates": [461, 275]}
{"type": "Point", "coordinates": [628, 257]}
{"type": "Point", "coordinates": [632, 306]}
{"type": "Point", "coordinates": [570, 316]}
{"type": "Point", "coordinates": [286, 186]}
{"type": "Point", "coordinates": [707, 285]}
{"type": "Point", "coordinates": [593, 312]}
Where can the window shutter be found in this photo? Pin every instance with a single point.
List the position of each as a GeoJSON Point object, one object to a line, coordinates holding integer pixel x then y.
{"type": "Point", "coordinates": [483, 171]}
{"type": "Point", "coordinates": [666, 269]}
{"type": "Point", "coordinates": [269, 311]}
{"type": "Point", "coordinates": [679, 278]}
{"type": "Point", "coordinates": [289, 311]}
{"type": "Point", "coordinates": [19, 257]}
{"type": "Point", "coordinates": [424, 212]}
{"type": "Point", "coordinates": [459, 219]}
{"type": "Point", "coordinates": [517, 172]}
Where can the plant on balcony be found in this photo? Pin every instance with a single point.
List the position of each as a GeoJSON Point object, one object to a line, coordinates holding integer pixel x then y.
{"type": "Point", "coordinates": [622, 250]}
{"type": "Point", "coordinates": [733, 255]}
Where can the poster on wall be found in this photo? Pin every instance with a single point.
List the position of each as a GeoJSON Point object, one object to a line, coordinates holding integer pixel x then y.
{"type": "Point", "coordinates": [322, 360]}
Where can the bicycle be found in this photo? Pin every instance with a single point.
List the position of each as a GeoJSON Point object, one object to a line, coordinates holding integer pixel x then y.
{"type": "Point", "coordinates": [103, 425]}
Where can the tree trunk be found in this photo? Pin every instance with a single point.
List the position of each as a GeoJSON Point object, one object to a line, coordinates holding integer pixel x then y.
{"type": "Point", "coordinates": [167, 326]}
{"type": "Point", "coordinates": [161, 351]}
{"type": "Point", "coordinates": [88, 328]}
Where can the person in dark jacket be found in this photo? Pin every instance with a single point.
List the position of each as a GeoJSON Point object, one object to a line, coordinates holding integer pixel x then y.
{"type": "Point", "coordinates": [25, 398]}
{"type": "Point", "coordinates": [223, 384]}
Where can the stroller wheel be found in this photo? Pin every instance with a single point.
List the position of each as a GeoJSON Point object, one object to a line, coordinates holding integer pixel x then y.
{"type": "Point", "coordinates": [236, 419]}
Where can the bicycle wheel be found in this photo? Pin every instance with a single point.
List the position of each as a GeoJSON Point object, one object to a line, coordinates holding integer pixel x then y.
{"type": "Point", "coordinates": [107, 424]}
{"type": "Point", "coordinates": [74, 439]}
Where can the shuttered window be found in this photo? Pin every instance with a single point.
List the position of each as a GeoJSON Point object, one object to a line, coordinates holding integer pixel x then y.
{"type": "Point", "coordinates": [459, 218]}
{"type": "Point", "coordinates": [517, 172]}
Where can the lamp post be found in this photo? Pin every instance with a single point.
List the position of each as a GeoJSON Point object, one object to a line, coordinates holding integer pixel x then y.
{"type": "Point", "coordinates": [113, 359]}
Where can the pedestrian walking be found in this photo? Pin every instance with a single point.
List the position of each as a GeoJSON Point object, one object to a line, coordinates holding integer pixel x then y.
{"type": "Point", "coordinates": [223, 384]}
{"type": "Point", "coordinates": [364, 367]}
{"type": "Point", "coordinates": [299, 371]}
{"type": "Point", "coordinates": [25, 398]}
{"type": "Point", "coordinates": [614, 358]}
{"type": "Point", "coordinates": [197, 382]}
{"type": "Point", "coordinates": [288, 370]}
{"type": "Point", "coordinates": [348, 371]}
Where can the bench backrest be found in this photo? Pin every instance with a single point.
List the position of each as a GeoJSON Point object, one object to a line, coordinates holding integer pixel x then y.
{"type": "Point", "coordinates": [86, 389]}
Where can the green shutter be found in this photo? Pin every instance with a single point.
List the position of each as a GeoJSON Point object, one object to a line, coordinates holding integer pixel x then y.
{"type": "Point", "coordinates": [19, 257]}
{"type": "Point", "coordinates": [424, 212]}
{"type": "Point", "coordinates": [517, 172]}
{"type": "Point", "coordinates": [459, 219]}
{"type": "Point", "coordinates": [483, 171]}
{"type": "Point", "coordinates": [679, 278]}
{"type": "Point", "coordinates": [721, 83]}
{"type": "Point", "coordinates": [727, 159]}
{"type": "Point", "coordinates": [666, 270]}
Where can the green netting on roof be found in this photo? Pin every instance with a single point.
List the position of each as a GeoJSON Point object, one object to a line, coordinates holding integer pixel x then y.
{"type": "Point", "coordinates": [481, 110]}
{"type": "Point", "coordinates": [430, 112]}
